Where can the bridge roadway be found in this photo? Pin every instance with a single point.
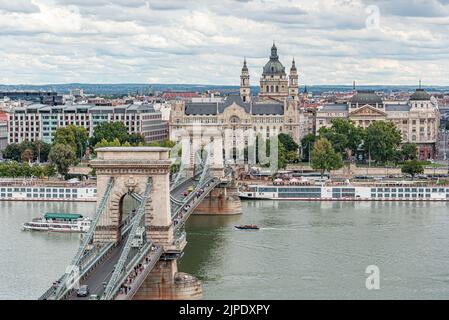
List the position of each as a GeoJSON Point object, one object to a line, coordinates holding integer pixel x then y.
{"type": "Point", "coordinates": [177, 193]}
{"type": "Point", "coordinates": [102, 273]}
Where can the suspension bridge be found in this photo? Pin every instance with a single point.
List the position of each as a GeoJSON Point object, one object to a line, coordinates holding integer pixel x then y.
{"type": "Point", "coordinates": [117, 255]}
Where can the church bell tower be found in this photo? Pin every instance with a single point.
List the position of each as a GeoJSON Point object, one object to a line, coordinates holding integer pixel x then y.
{"type": "Point", "coordinates": [245, 90]}
{"type": "Point", "coordinates": [293, 82]}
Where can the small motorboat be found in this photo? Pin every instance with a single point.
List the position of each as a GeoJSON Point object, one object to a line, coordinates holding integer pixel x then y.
{"type": "Point", "coordinates": [247, 227]}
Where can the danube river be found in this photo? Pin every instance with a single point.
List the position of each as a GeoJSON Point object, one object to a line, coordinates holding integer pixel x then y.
{"type": "Point", "coordinates": [304, 250]}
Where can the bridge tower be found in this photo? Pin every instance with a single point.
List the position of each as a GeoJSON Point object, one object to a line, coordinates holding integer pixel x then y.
{"type": "Point", "coordinates": [224, 198]}
{"type": "Point", "coordinates": [130, 167]}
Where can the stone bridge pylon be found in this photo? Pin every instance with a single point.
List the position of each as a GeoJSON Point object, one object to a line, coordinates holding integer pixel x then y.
{"type": "Point", "coordinates": [130, 168]}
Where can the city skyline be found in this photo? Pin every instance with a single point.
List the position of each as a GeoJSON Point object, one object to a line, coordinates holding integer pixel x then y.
{"type": "Point", "coordinates": [196, 42]}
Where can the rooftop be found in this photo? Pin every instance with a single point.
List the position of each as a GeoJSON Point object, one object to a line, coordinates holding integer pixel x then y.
{"type": "Point", "coordinates": [214, 108]}
{"type": "Point", "coordinates": [420, 94]}
{"type": "Point", "coordinates": [366, 97]}
{"type": "Point", "coordinates": [38, 108]}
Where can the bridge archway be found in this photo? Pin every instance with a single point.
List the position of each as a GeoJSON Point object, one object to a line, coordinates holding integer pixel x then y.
{"type": "Point", "coordinates": [127, 207]}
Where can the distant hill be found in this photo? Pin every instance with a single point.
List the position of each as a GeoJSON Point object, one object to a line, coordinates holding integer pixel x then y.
{"type": "Point", "coordinates": [132, 88]}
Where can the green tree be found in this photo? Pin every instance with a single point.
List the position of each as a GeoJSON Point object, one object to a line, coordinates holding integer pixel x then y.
{"type": "Point", "coordinates": [75, 137]}
{"type": "Point", "coordinates": [37, 171]}
{"type": "Point", "coordinates": [109, 131]}
{"type": "Point", "coordinates": [49, 170]}
{"type": "Point", "coordinates": [65, 135]}
{"type": "Point", "coordinates": [81, 140]}
{"type": "Point", "coordinates": [167, 143]}
{"type": "Point", "coordinates": [292, 156]}
{"type": "Point", "coordinates": [412, 167]}
{"type": "Point", "coordinates": [282, 156]}
{"type": "Point", "coordinates": [288, 142]}
{"type": "Point", "coordinates": [135, 139]}
{"type": "Point", "coordinates": [62, 156]}
{"type": "Point", "coordinates": [382, 140]}
{"type": "Point", "coordinates": [324, 158]}
{"type": "Point", "coordinates": [343, 135]}
{"type": "Point", "coordinates": [13, 152]}
{"type": "Point", "coordinates": [307, 145]}
{"type": "Point", "coordinates": [104, 143]}
{"type": "Point", "coordinates": [409, 151]}
{"type": "Point", "coordinates": [41, 150]}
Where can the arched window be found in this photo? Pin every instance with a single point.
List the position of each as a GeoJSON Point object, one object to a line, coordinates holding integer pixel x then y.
{"type": "Point", "coordinates": [267, 89]}
{"type": "Point", "coordinates": [277, 88]}
{"type": "Point", "coordinates": [234, 119]}
{"type": "Point", "coordinates": [271, 89]}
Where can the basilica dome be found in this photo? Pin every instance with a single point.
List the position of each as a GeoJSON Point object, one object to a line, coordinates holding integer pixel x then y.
{"type": "Point", "coordinates": [273, 66]}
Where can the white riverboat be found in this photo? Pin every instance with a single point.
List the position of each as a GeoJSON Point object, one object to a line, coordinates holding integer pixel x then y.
{"type": "Point", "coordinates": [47, 193]}
{"type": "Point", "coordinates": [391, 192]}
{"type": "Point", "coordinates": [59, 222]}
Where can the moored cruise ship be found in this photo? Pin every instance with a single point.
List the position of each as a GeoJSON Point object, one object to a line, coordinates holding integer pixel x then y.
{"type": "Point", "coordinates": [59, 222]}
{"type": "Point", "coordinates": [48, 193]}
{"type": "Point", "coordinates": [391, 192]}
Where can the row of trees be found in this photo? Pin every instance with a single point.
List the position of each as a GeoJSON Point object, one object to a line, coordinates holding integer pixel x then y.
{"type": "Point", "coordinates": [16, 169]}
{"type": "Point", "coordinates": [379, 142]}
{"type": "Point", "coordinates": [288, 150]}
{"type": "Point", "coordinates": [27, 151]}
{"type": "Point", "coordinates": [68, 148]}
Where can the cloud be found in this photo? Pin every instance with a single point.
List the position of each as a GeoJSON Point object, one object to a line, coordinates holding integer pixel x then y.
{"type": "Point", "coordinates": [413, 8]}
{"type": "Point", "coordinates": [22, 6]}
{"type": "Point", "coordinates": [113, 41]}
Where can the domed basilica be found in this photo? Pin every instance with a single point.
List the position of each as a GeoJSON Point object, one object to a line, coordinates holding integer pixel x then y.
{"type": "Point", "coordinates": [274, 84]}
{"type": "Point", "coordinates": [275, 110]}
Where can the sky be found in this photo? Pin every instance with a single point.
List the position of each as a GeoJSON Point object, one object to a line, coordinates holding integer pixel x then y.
{"type": "Point", "coordinates": [204, 42]}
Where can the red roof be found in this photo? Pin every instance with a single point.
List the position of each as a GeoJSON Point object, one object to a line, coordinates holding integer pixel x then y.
{"type": "Point", "coordinates": [182, 95]}
{"type": "Point", "coordinates": [3, 116]}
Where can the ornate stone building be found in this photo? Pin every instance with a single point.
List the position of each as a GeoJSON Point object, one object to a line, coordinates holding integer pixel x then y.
{"type": "Point", "coordinates": [274, 111]}
{"type": "Point", "coordinates": [417, 119]}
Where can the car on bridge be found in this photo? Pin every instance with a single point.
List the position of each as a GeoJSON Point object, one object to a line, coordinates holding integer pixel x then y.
{"type": "Point", "coordinates": [83, 291]}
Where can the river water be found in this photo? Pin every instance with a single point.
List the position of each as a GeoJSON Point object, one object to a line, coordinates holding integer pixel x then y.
{"type": "Point", "coordinates": [304, 250]}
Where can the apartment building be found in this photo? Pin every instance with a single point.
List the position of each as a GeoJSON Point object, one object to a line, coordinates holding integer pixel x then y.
{"type": "Point", "coordinates": [39, 122]}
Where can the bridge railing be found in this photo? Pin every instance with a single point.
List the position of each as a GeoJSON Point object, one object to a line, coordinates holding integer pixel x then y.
{"type": "Point", "coordinates": [153, 258]}
{"type": "Point", "coordinates": [193, 200]}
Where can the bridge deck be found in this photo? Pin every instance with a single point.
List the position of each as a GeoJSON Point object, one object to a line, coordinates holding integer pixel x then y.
{"type": "Point", "coordinates": [100, 274]}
